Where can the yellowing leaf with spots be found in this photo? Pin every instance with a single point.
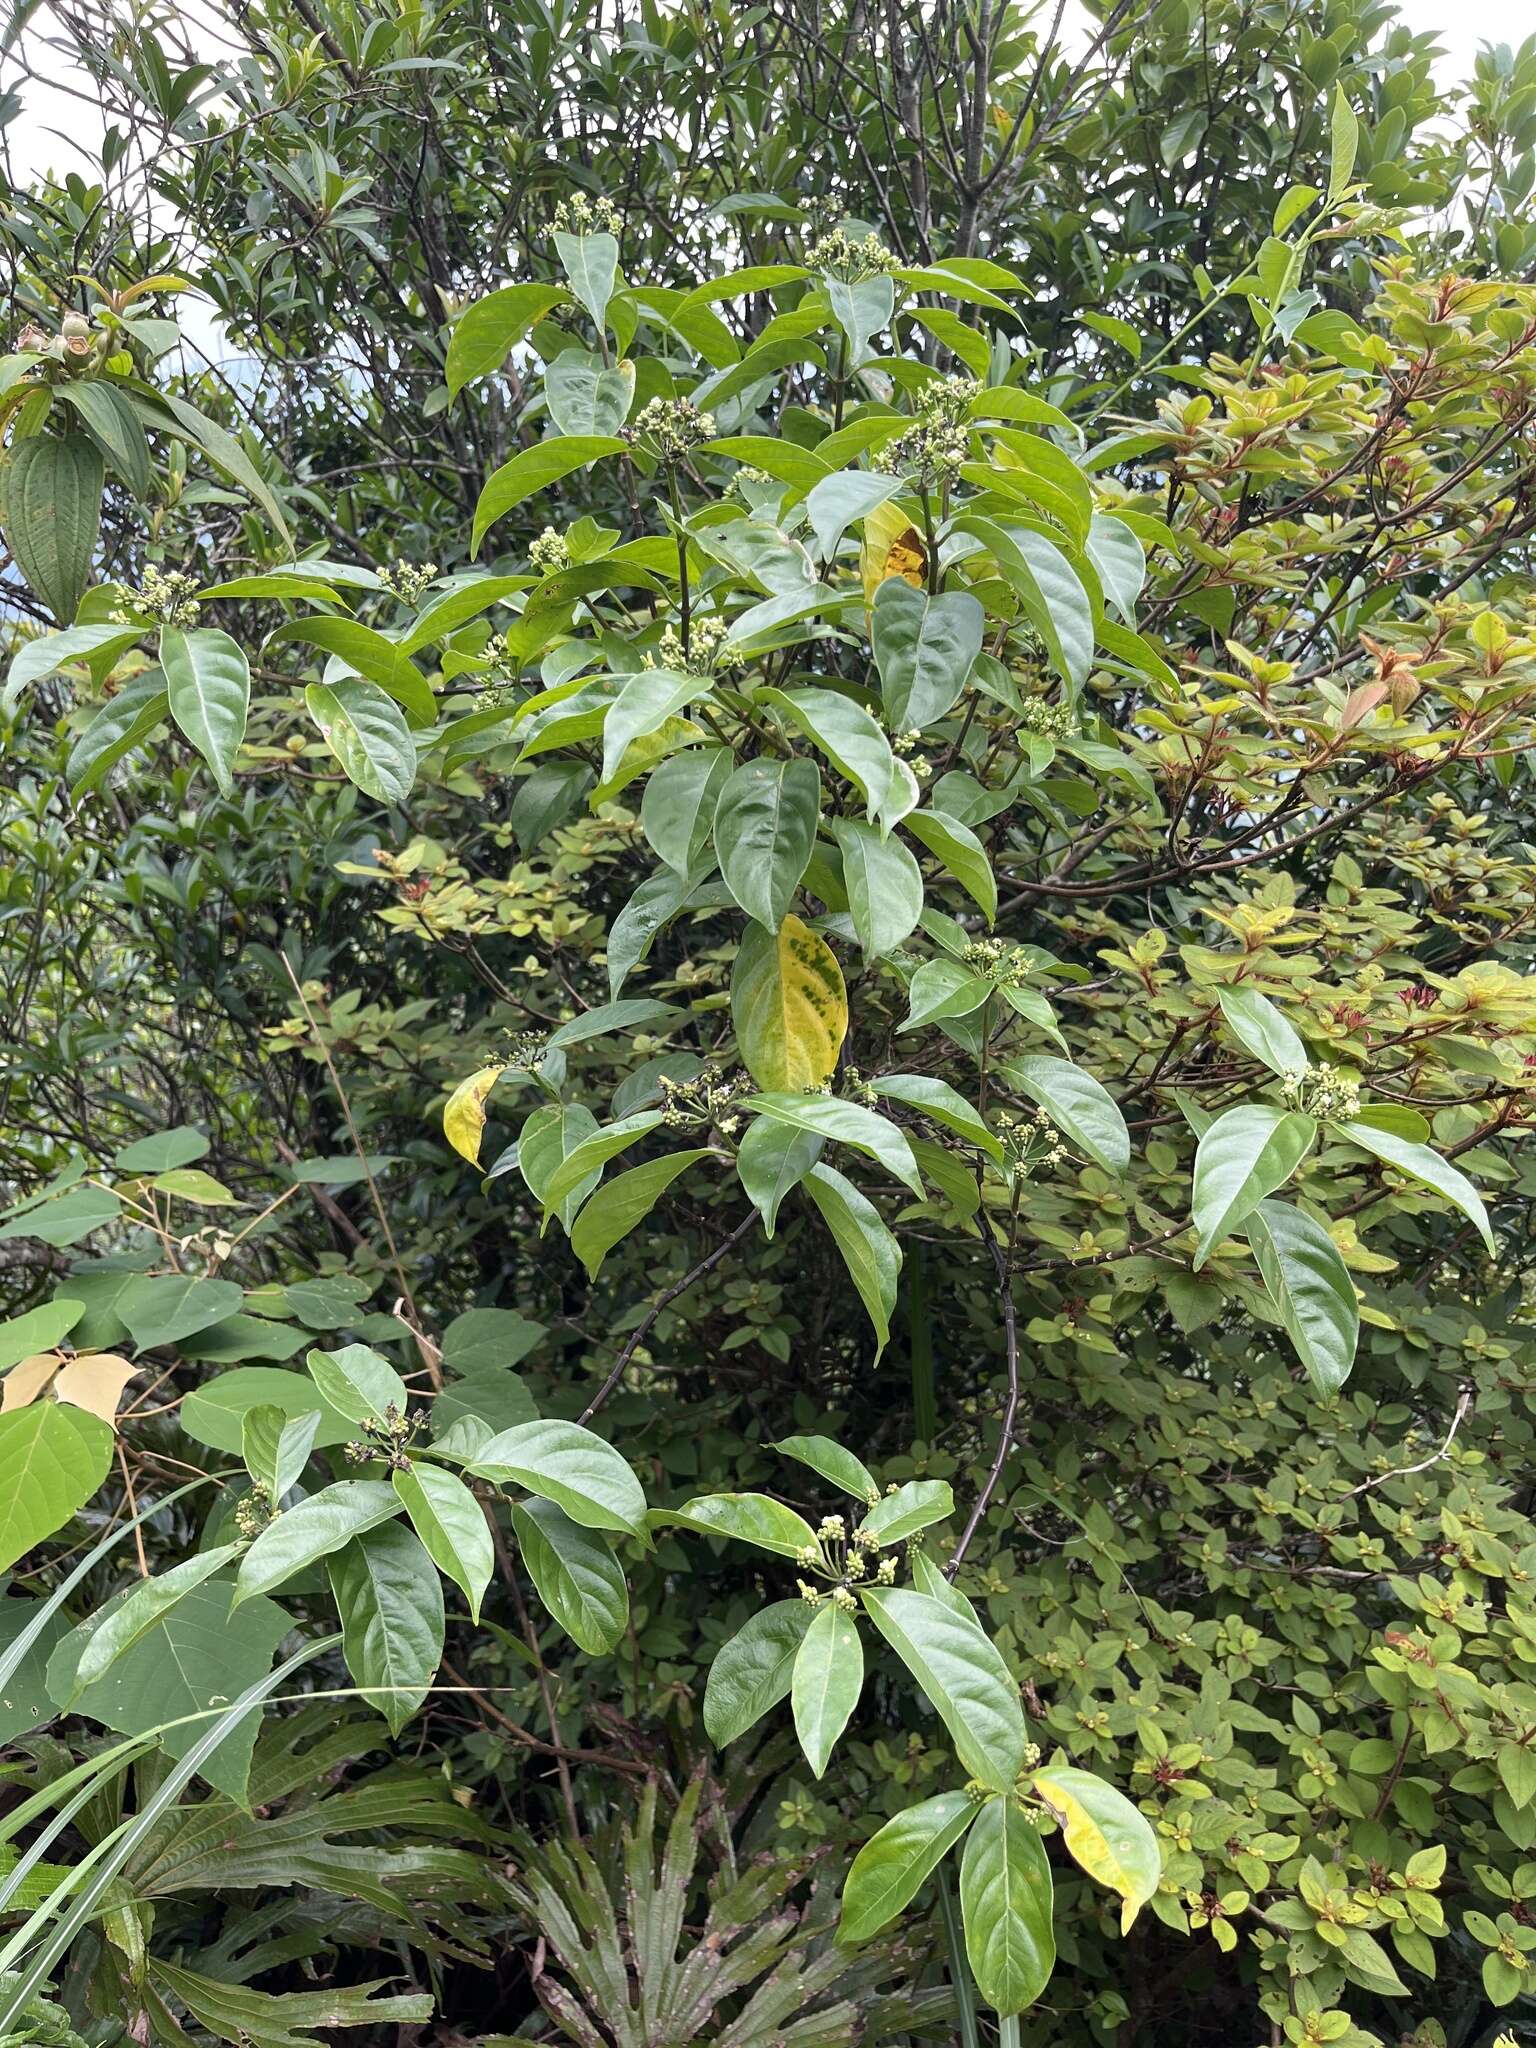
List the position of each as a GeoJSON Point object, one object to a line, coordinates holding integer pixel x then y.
{"type": "Point", "coordinates": [789, 1006]}
{"type": "Point", "coordinates": [892, 547]}
{"type": "Point", "coordinates": [464, 1113]}
{"type": "Point", "coordinates": [1105, 1834]}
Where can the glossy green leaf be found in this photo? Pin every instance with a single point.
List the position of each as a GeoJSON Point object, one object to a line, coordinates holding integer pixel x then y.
{"type": "Point", "coordinates": [845, 1123]}
{"type": "Point", "coordinates": [452, 1526]}
{"type": "Point", "coordinates": [52, 1459]}
{"type": "Point", "coordinates": [677, 810]}
{"type": "Point", "coordinates": [1005, 1902]}
{"type": "Point", "coordinates": [765, 827]}
{"type": "Point", "coordinates": [965, 1679]}
{"type": "Point", "coordinates": [276, 1448]}
{"type": "Point", "coordinates": [754, 1670]}
{"type": "Point", "coordinates": [1245, 1155]}
{"type": "Point", "coordinates": [871, 1254]}
{"type": "Point", "coordinates": [365, 731]}
{"type": "Point", "coordinates": [534, 470]}
{"type": "Point", "coordinates": [839, 1467]}
{"type": "Point", "coordinates": [1081, 1108]}
{"type": "Point", "coordinates": [485, 333]}
{"type": "Point", "coordinates": [754, 1518]}
{"type": "Point", "coordinates": [390, 1602]}
{"type": "Point", "coordinates": [1428, 1168]}
{"type": "Point", "coordinates": [577, 1575]}
{"type": "Point", "coordinates": [916, 1505]}
{"type": "Point", "coordinates": [124, 722]}
{"type": "Point", "coordinates": [924, 647]}
{"type": "Point", "coordinates": [884, 884]}
{"type": "Point", "coordinates": [613, 1210]}
{"type": "Point", "coordinates": [772, 1160]}
{"type": "Point", "coordinates": [944, 1105]}
{"type": "Point", "coordinates": [827, 1680]}
{"type": "Point", "coordinates": [571, 1466]}
{"type": "Point", "coordinates": [1309, 1284]}
{"type": "Point", "coordinates": [312, 1530]}
{"type": "Point", "coordinates": [957, 847]}
{"type": "Point", "coordinates": [208, 682]}
{"type": "Point", "coordinates": [358, 1383]}
{"type": "Point", "coordinates": [1263, 1030]}
{"type": "Point", "coordinates": [894, 1863]}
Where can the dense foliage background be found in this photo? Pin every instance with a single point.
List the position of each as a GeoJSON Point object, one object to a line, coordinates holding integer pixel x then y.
{"type": "Point", "coordinates": [1077, 498]}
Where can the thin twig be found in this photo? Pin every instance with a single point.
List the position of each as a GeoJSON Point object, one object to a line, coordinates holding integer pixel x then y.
{"type": "Point", "coordinates": [648, 1322]}
{"type": "Point", "coordinates": [1463, 1410]}
{"type": "Point", "coordinates": [1011, 1408]}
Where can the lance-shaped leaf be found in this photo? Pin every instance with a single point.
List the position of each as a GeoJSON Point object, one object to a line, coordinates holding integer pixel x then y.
{"type": "Point", "coordinates": [145, 1607]}
{"type": "Point", "coordinates": [845, 1123]}
{"type": "Point", "coordinates": [754, 1518]}
{"type": "Point", "coordinates": [1005, 1902]}
{"type": "Point", "coordinates": [884, 884]}
{"type": "Point", "coordinates": [754, 1670]}
{"type": "Point", "coordinates": [890, 1869]}
{"type": "Point", "coordinates": [1262, 1029]}
{"type": "Point", "coordinates": [677, 809]}
{"type": "Point", "coordinates": [1309, 1284]}
{"type": "Point", "coordinates": [1109, 1837]}
{"type": "Point", "coordinates": [828, 1678]}
{"type": "Point", "coordinates": [958, 848]}
{"type": "Point", "coordinates": [209, 686]}
{"type": "Point", "coordinates": [871, 1254]}
{"type": "Point", "coordinates": [315, 1529]}
{"type": "Point", "coordinates": [771, 1160]}
{"type": "Point", "coordinates": [917, 1505]}
{"type": "Point", "coordinates": [569, 1465]}
{"type": "Point", "coordinates": [590, 1154]}
{"type": "Point", "coordinates": [390, 1600]}
{"type": "Point", "coordinates": [765, 827]}
{"type": "Point", "coordinates": [535, 469]}
{"type": "Point", "coordinates": [1427, 1167]}
{"type": "Point", "coordinates": [591, 264]}
{"type": "Point", "coordinates": [486, 332]}
{"type": "Point", "coordinates": [52, 491]}
{"type": "Point", "coordinates": [966, 1681]}
{"type": "Point", "coordinates": [945, 1105]}
{"type": "Point", "coordinates": [1081, 1108]}
{"type": "Point", "coordinates": [452, 1526]}
{"type": "Point", "coordinates": [1245, 1155]}
{"type": "Point", "coordinates": [611, 1212]}
{"type": "Point", "coordinates": [577, 1575]}
{"type": "Point", "coordinates": [839, 1467]}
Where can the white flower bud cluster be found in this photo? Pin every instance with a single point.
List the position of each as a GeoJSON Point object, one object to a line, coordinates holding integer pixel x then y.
{"type": "Point", "coordinates": [408, 581]}
{"type": "Point", "coordinates": [580, 215]}
{"type": "Point", "coordinates": [850, 259]}
{"type": "Point", "coordinates": [549, 554]}
{"type": "Point", "coordinates": [708, 641]}
{"type": "Point", "coordinates": [1324, 1092]}
{"type": "Point", "coordinates": [1047, 720]}
{"type": "Point", "coordinates": [166, 596]}
{"type": "Point", "coordinates": [671, 428]}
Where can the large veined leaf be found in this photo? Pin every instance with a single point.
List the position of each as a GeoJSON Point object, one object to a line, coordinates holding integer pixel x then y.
{"type": "Point", "coordinates": [871, 1254]}
{"type": "Point", "coordinates": [390, 1601]}
{"type": "Point", "coordinates": [358, 1383]}
{"type": "Point", "coordinates": [884, 884]}
{"type": "Point", "coordinates": [612, 1211]}
{"type": "Point", "coordinates": [145, 1606]}
{"type": "Point", "coordinates": [771, 1160]}
{"type": "Point", "coordinates": [1109, 1837]}
{"type": "Point", "coordinates": [754, 1670]}
{"type": "Point", "coordinates": [754, 1518]}
{"type": "Point", "coordinates": [202, 1654]}
{"type": "Point", "coordinates": [961, 852]}
{"type": "Point", "coordinates": [789, 1006]}
{"type": "Point", "coordinates": [765, 827]}
{"type": "Point", "coordinates": [215, 1414]}
{"type": "Point", "coordinates": [366, 732]}
{"type": "Point", "coordinates": [1082, 1109]}
{"type": "Point", "coordinates": [845, 1123]}
{"type": "Point", "coordinates": [1308, 1282]}
{"type": "Point", "coordinates": [535, 469]}
{"type": "Point", "coordinates": [1005, 1902]}
{"type": "Point", "coordinates": [208, 683]}
{"type": "Point", "coordinates": [591, 264]}
{"type": "Point", "coordinates": [1262, 1029]}
{"type": "Point", "coordinates": [485, 333]}
{"type": "Point", "coordinates": [1421, 1163]}
{"type": "Point", "coordinates": [52, 1459]}
{"type": "Point", "coordinates": [1245, 1155]}
{"type": "Point", "coordinates": [162, 1308]}
{"type": "Point", "coordinates": [127, 718]}
{"type": "Point", "coordinates": [827, 1680]}
{"type": "Point", "coordinates": [452, 1526]}
{"type": "Point", "coordinates": [577, 1575]}
{"type": "Point", "coordinates": [316, 1528]}
{"type": "Point", "coordinates": [916, 1505]}
{"type": "Point", "coordinates": [924, 647]}
{"type": "Point", "coordinates": [587, 396]}
{"type": "Point", "coordinates": [284, 2019]}
{"type": "Point", "coordinates": [853, 742]}
{"type": "Point", "coordinates": [889, 1870]}
{"type": "Point", "coordinates": [677, 809]}
{"type": "Point", "coordinates": [571, 1466]}
{"type": "Point", "coordinates": [52, 494]}
{"type": "Point", "coordinates": [841, 1468]}
{"type": "Point", "coordinates": [966, 1681]}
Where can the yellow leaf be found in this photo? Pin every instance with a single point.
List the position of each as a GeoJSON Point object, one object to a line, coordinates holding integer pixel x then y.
{"type": "Point", "coordinates": [789, 1006]}
{"type": "Point", "coordinates": [1105, 1834]}
{"type": "Point", "coordinates": [464, 1113]}
{"type": "Point", "coordinates": [26, 1380]}
{"type": "Point", "coordinates": [95, 1381]}
{"type": "Point", "coordinates": [892, 547]}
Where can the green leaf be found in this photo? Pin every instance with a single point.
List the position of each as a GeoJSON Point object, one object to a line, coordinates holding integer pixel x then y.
{"type": "Point", "coordinates": [65, 1218]}
{"type": "Point", "coordinates": [754, 1518]}
{"type": "Point", "coordinates": [591, 1154]}
{"type": "Point", "coordinates": [1343, 142]}
{"type": "Point", "coordinates": [52, 495]}
{"type": "Point", "coordinates": [110, 420]}
{"type": "Point", "coordinates": [374, 657]}
{"type": "Point", "coordinates": [754, 1670]}
{"type": "Point", "coordinates": [765, 827]}
{"type": "Point", "coordinates": [276, 1449]}
{"type": "Point", "coordinates": [677, 810]}
{"type": "Point", "coordinates": [209, 686]}
{"type": "Point", "coordinates": [1117, 555]}
{"type": "Point", "coordinates": [591, 263]}
{"type": "Point", "coordinates": [571, 1466]}
{"type": "Point", "coordinates": [835, 502]}
{"type": "Point", "coordinates": [577, 1575]}
{"type": "Point", "coordinates": [940, 989]}
{"type": "Point", "coordinates": [1081, 1108]}
{"type": "Point", "coordinates": [884, 884]}
{"type": "Point", "coordinates": [637, 1013]}
{"type": "Point", "coordinates": [215, 1414]}
{"type": "Point", "coordinates": [365, 731]}
{"type": "Point", "coordinates": [1263, 1030]}
{"type": "Point", "coordinates": [893, 1864]}
{"type": "Point", "coordinates": [770, 1161]}
{"type": "Point", "coordinates": [871, 1254]}
{"type": "Point", "coordinates": [612, 1212]}
{"type": "Point", "coordinates": [862, 309]}
{"type": "Point", "coordinates": [535, 469]}
{"type": "Point", "coordinates": [958, 848]}
{"type": "Point", "coordinates": [916, 1505]}
{"type": "Point", "coordinates": [40, 1329]}
{"type": "Point", "coordinates": [1005, 1901]}
{"type": "Point", "coordinates": [162, 1151]}
{"type": "Point", "coordinates": [1245, 1155]}
{"type": "Point", "coordinates": [358, 1383]}
{"type": "Point", "coordinates": [161, 1309]}
{"type": "Point", "coordinates": [550, 1135]}
{"type": "Point", "coordinates": [944, 1105]}
{"type": "Point", "coordinates": [924, 648]}
{"type": "Point", "coordinates": [845, 1123]}
{"type": "Point", "coordinates": [203, 1653]}
{"type": "Point", "coordinates": [789, 1006]}
{"type": "Point", "coordinates": [1105, 1834]}
{"type": "Point", "coordinates": [1309, 1284]}
{"type": "Point", "coordinates": [52, 1459]}
{"type": "Point", "coordinates": [147, 1604]}
{"type": "Point", "coordinates": [316, 1528]}
{"type": "Point", "coordinates": [227, 455]}
{"type": "Point", "coordinates": [97, 646]}
{"type": "Point", "coordinates": [966, 1681]}
{"type": "Point", "coordinates": [828, 1678]}
{"type": "Point", "coordinates": [485, 333]}
{"type": "Point", "coordinates": [390, 1601]}
{"type": "Point", "coordinates": [452, 1527]}
{"type": "Point", "coordinates": [127, 718]}
{"type": "Point", "coordinates": [1427, 1167]}
{"type": "Point", "coordinates": [1048, 587]}
{"type": "Point", "coordinates": [586, 397]}
{"type": "Point", "coordinates": [648, 699]}
{"type": "Point", "coordinates": [839, 1467]}
{"type": "Point", "coordinates": [852, 742]}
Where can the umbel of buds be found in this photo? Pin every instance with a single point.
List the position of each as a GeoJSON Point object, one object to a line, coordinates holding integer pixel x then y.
{"type": "Point", "coordinates": [580, 215]}
{"type": "Point", "coordinates": [850, 259]}
{"type": "Point", "coordinates": [670, 429]}
{"type": "Point", "coordinates": [166, 596]}
{"type": "Point", "coordinates": [549, 554]}
{"type": "Point", "coordinates": [706, 645]}
{"type": "Point", "coordinates": [388, 1438]}
{"type": "Point", "coordinates": [407, 581]}
{"type": "Point", "coordinates": [933, 448]}
{"type": "Point", "coordinates": [1047, 720]}
{"type": "Point", "coordinates": [1322, 1091]}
